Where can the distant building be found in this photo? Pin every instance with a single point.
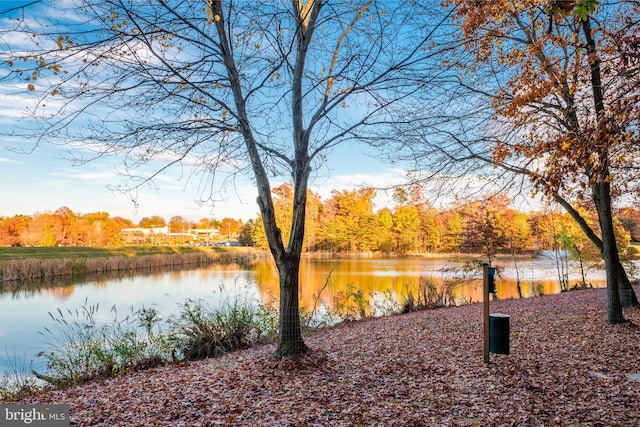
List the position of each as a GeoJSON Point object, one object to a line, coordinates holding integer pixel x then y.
{"type": "Point", "coordinates": [161, 235]}
{"type": "Point", "coordinates": [205, 233]}
{"type": "Point", "coordinates": [139, 236]}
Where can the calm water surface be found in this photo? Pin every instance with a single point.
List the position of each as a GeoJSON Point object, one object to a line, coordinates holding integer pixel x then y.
{"type": "Point", "coordinates": [24, 314]}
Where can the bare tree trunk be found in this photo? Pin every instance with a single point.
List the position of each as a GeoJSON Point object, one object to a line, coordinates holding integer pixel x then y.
{"type": "Point", "coordinates": [515, 263]}
{"type": "Point", "coordinates": [579, 252]}
{"type": "Point", "coordinates": [290, 342]}
{"type": "Point", "coordinates": [287, 259]}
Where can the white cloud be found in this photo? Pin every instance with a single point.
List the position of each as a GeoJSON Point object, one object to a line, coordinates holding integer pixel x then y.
{"type": "Point", "coordinates": [15, 106]}
{"type": "Point", "coordinates": [85, 176]}
{"type": "Point", "coordinates": [5, 160]}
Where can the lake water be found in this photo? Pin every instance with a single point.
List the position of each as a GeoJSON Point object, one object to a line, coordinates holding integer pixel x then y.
{"type": "Point", "coordinates": [24, 314]}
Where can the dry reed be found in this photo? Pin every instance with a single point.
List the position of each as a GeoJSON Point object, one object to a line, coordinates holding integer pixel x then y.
{"type": "Point", "coordinates": [35, 269]}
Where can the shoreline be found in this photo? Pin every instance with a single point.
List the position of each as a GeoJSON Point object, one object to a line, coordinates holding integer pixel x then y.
{"type": "Point", "coordinates": [422, 369]}
{"type": "Point", "coordinates": [28, 270]}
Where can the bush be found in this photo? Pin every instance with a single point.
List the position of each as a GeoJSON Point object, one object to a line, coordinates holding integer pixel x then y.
{"type": "Point", "coordinates": [352, 304]}
{"type": "Point", "coordinates": [82, 349]}
{"type": "Point", "coordinates": [267, 321]}
{"type": "Point", "coordinates": [428, 295]}
{"type": "Point", "coordinates": [201, 332]}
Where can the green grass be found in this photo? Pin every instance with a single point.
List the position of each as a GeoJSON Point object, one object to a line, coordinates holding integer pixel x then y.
{"type": "Point", "coordinates": [54, 252]}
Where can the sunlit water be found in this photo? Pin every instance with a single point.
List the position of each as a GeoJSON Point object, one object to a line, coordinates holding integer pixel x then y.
{"type": "Point", "coordinates": [25, 314]}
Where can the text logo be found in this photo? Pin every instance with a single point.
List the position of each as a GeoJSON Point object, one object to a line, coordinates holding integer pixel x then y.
{"type": "Point", "coordinates": [34, 415]}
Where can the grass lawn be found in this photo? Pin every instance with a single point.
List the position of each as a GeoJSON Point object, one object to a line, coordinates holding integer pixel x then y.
{"type": "Point", "coordinates": [53, 252]}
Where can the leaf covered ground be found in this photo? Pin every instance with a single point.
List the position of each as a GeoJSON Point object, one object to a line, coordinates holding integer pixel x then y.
{"type": "Point", "coordinates": [567, 367]}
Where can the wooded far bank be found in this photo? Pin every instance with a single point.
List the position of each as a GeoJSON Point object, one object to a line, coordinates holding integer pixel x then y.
{"type": "Point", "coordinates": [346, 222]}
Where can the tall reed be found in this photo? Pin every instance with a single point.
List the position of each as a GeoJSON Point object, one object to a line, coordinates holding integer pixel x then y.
{"type": "Point", "coordinates": [428, 295]}
{"type": "Point", "coordinates": [32, 269]}
{"type": "Point", "coordinates": [201, 332]}
{"type": "Point", "coordinates": [81, 348]}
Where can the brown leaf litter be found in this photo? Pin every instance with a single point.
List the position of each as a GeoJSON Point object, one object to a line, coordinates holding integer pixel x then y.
{"type": "Point", "coordinates": [567, 367]}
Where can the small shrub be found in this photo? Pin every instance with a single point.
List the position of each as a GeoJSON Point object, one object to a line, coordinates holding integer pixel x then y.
{"type": "Point", "coordinates": [200, 332]}
{"type": "Point", "coordinates": [352, 304]}
{"type": "Point", "coordinates": [428, 295]}
{"type": "Point", "coordinates": [267, 320]}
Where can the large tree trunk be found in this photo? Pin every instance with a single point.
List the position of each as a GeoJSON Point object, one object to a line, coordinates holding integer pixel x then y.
{"type": "Point", "coordinates": [600, 187]}
{"type": "Point", "coordinates": [287, 259]}
{"type": "Point", "coordinates": [290, 342]}
{"type": "Point", "coordinates": [602, 197]}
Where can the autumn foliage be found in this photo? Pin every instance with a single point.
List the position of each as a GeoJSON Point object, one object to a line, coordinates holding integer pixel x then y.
{"type": "Point", "coordinates": [544, 91]}
{"type": "Point", "coordinates": [564, 81]}
{"type": "Point", "coordinates": [348, 222]}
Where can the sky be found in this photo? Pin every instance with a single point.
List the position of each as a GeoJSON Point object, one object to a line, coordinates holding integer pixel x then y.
{"type": "Point", "coordinates": [42, 180]}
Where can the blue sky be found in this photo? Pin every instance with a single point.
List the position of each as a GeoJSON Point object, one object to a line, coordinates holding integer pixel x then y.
{"type": "Point", "coordinates": [44, 181]}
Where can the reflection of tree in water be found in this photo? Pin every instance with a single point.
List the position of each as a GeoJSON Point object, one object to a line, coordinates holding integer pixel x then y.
{"type": "Point", "coordinates": [458, 280]}
{"type": "Point", "coordinates": [61, 293]}
{"type": "Point", "coordinates": [55, 285]}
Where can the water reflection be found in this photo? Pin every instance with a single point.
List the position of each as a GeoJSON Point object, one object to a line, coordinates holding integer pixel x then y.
{"type": "Point", "coordinates": [64, 286]}
{"type": "Point", "coordinates": [24, 310]}
{"type": "Point", "coordinates": [326, 278]}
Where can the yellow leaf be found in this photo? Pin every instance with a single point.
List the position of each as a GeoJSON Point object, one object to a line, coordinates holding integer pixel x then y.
{"type": "Point", "coordinates": [31, 87]}
{"type": "Point", "coordinates": [217, 17]}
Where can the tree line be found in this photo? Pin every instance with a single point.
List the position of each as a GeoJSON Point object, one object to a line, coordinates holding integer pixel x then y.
{"type": "Point", "coordinates": [67, 228]}
{"type": "Point", "coordinates": [348, 222]}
